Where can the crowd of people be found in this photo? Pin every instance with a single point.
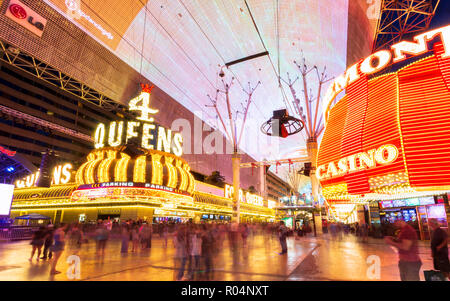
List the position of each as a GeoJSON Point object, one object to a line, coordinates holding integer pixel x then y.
{"type": "Point", "coordinates": [197, 246]}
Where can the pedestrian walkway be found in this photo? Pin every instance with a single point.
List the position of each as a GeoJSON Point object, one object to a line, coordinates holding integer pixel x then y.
{"type": "Point", "coordinates": [308, 259]}
{"type": "Point", "coordinates": [259, 262]}
{"type": "Point", "coordinates": [347, 260]}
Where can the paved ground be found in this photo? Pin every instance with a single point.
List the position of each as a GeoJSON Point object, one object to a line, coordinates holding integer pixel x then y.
{"type": "Point", "coordinates": [348, 260]}
{"type": "Point", "coordinates": [261, 261]}
{"type": "Point", "coordinates": [307, 259]}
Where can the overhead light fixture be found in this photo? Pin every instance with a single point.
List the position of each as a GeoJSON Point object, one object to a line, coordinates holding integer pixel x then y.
{"type": "Point", "coordinates": [282, 125]}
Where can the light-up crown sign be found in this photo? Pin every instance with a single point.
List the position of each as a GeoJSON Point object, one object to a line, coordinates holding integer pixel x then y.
{"type": "Point", "coordinates": [144, 107]}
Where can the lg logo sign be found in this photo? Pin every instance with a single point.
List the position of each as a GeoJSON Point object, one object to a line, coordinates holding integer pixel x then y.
{"type": "Point", "coordinates": [26, 17]}
{"type": "Point", "coordinates": [18, 11]}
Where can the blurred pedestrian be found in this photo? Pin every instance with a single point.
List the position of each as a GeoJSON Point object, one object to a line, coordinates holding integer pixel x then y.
{"type": "Point", "coordinates": [244, 235]}
{"type": "Point", "coordinates": [282, 235]}
{"type": "Point", "coordinates": [207, 252]}
{"type": "Point", "coordinates": [181, 251]}
{"type": "Point", "coordinates": [48, 241]}
{"type": "Point", "coordinates": [439, 248]}
{"type": "Point", "coordinates": [135, 238]}
{"type": "Point", "coordinates": [195, 252]}
{"type": "Point", "coordinates": [409, 261]}
{"type": "Point", "coordinates": [165, 234]}
{"type": "Point", "coordinates": [37, 241]}
{"type": "Point", "coordinates": [101, 236]}
{"type": "Point", "coordinates": [125, 235]}
{"type": "Point", "coordinates": [75, 238]}
{"type": "Point", "coordinates": [58, 247]}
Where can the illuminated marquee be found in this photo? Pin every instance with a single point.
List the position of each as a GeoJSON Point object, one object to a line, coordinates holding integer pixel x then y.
{"type": "Point", "coordinates": [389, 134]}
{"type": "Point", "coordinates": [61, 175]}
{"type": "Point", "coordinates": [247, 198]}
{"type": "Point", "coordinates": [150, 135]}
{"type": "Point", "coordinates": [381, 59]}
{"type": "Point", "coordinates": [385, 154]}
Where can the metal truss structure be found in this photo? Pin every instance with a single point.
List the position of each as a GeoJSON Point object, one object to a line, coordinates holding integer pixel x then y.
{"type": "Point", "coordinates": [43, 123]}
{"type": "Point", "coordinates": [276, 162]}
{"type": "Point", "coordinates": [399, 18]}
{"type": "Point", "coordinates": [25, 62]}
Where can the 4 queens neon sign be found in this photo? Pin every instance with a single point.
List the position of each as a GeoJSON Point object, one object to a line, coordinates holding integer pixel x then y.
{"type": "Point", "coordinates": [381, 59]}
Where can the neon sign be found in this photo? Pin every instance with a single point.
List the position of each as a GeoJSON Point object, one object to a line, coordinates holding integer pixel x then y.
{"type": "Point", "coordinates": [381, 59]}
{"type": "Point", "coordinates": [61, 175]}
{"type": "Point", "coordinates": [151, 136]}
{"type": "Point", "coordinates": [7, 152]}
{"type": "Point", "coordinates": [247, 198]}
{"type": "Point", "coordinates": [384, 155]}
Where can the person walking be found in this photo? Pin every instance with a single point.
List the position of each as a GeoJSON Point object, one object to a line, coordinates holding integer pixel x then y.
{"type": "Point", "coordinates": [207, 251]}
{"type": "Point", "coordinates": [195, 242]}
{"type": "Point", "coordinates": [37, 241]}
{"type": "Point", "coordinates": [165, 234]}
{"type": "Point", "coordinates": [135, 238]}
{"type": "Point", "coordinates": [282, 235]}
{"type": "Point", "coordinates": [409, 261]}
{"type": "Point", "coordinates": [58, 247]}
{"type": "Point", "coordinates": [439, 248]}
{"type": "Point", "coordinates": [75, 239]}
{"type": "Point", "coordinates": [181, 251]}
{"type": "Point", "coordinates": [125, 238]}
{"type": "Point", "coordinates": [48, 242]}
{"type": "Point", "coordinates": [101, 236]}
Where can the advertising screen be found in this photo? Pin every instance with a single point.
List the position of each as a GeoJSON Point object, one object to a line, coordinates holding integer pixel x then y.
{"type": "Point", "coordinates": [288, 221]}
{"type": "Point", "coordinates": [436, 211]}
{"type": "Point", "coordinates": [6, 196]}
{"type": "Point", "coordinates": [412, 202]}
{"type": "Point", "coordinates": [399, 203]}
{"type": "Point", "coordinates": [429, 200]}
{"type": "Point", "coordinates": [386, 204]}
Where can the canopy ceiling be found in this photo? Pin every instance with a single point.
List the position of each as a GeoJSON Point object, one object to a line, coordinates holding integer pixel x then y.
{"type": "Point", "coordinates": [179, 45]}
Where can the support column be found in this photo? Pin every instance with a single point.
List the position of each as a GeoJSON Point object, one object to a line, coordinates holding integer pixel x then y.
{"type": "Point", "coordinates": [262, 181]}
{"type": "Point", "coordinates": [311, 146]}
{"type": "Point", "coordinates": [236, 162]}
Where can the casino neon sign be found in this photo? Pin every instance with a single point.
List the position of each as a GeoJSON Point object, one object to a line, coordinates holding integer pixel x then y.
{"type": "Point", "coordinates": [150, 135]}
{"type": "Point", "coordinates": [381, 59]}
{"type": "Point", "coordinates": [385, 154]}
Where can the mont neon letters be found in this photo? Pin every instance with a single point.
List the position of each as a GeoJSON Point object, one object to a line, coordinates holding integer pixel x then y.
{"type": "Point", "coordinates": [381, 59]}
{"type": "Point", "coordinates": [383, 155]}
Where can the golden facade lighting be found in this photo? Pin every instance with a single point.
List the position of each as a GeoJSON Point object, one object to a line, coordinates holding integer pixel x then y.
{"type": "Point", "coordinates": [157, 169]}
{"type": "Point", "coordinates": [139, 169]}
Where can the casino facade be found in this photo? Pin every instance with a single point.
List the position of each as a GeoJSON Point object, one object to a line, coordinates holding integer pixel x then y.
{"type": "Point", "coordinates": [135, 172]}
{"type": "Point", "coordinates": [386, 141]}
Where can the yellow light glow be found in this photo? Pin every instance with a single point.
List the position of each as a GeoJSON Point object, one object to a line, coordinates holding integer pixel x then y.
{"type": "Point", "coordinates": [113, 139]}
{"type": "Point", "coordinates": [99, 136]}
{"type": "Point", "coordinates": [146, 135]}
{"type": "Point", "coordinates": [157, 169]}
{"type": "Point", "coordinates": [140, 165]}
{"type": "Point", "coordinates": [104, 166]}
{"type": "Point", "coordinates": [131, 125]}
{"type": "Point", "coordinates": [172, 177]}
{"type": "Point", "coordinates": [191, 186]}
{"type": "Point", "coordinates": [164, 140]}
{"type": "Point", "coordinates": [90, 175]}
{"type": "Point", "coordinates": [146, 111]}
{"type": "Point", "coordinates": [120, 170]}
{"type": "Point", "coordinates": [184, 180]}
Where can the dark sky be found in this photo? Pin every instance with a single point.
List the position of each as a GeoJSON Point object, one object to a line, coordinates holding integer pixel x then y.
{"type": "Point", "coordinates": [442, 16]}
